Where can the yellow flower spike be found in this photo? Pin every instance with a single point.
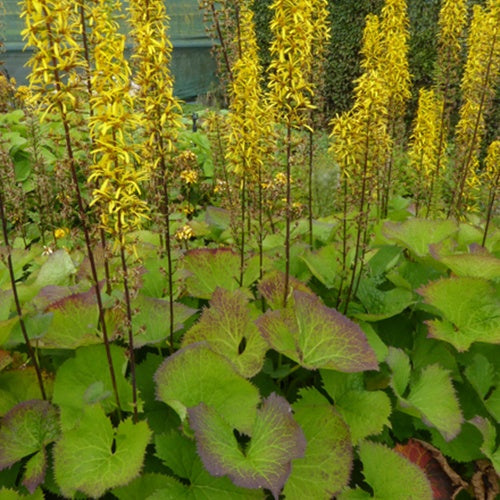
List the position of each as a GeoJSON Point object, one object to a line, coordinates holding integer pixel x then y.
{"type": "Point", "coordinates": [289, 90]}
{"type": "Point", "coordinates": [423, 152]}
{"type": "Point", "coordinates": [152, 56]}
{"type": "Point", "coordinates": [112, 128]}
{"type": "Point", "coordinates": [480, 77]}
{"type": "Point", "coordinates": [52, 29]}
{"type": "Point", "coordinates": [249, 125]}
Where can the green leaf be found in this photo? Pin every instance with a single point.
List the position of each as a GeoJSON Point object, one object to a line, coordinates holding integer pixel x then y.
{"type": "Point", "coordinates": [8, 494]}
{"type": "Point", "coordinates": [324, 265]}
{"type": "Point", "coordinates": [474, 265]}
{"type": "Point", "coordinates": [26, 429]}
{"type": "Point", "coordinates": [481, 374]}
{"type": "Point", "coordinates": [316, 336]}
{"type": "Point", "coordinates": [74, 322]}
{"type": "Point", "coordinates": [470, 308]}
{"type": "Point", "coordinates": [151, 321]}
{"type": "Point", "coordinates": [94, 457]}
{"type": "Point", "coordinates": [276, 439]}
{"type": "Point", "coordinates": [399, 364]}
{"type": "Point", "coordinates": [34, 471]}
{"type": "Point", "coordinates": [179, 454]}
{"type": "Point", "coordinates": [489, 447]}
{"type": "Point", "coordinates": [325, 468]}
{"type": "Point", "coordinates": [209, 268]}
{"type": "Point", "coordinates": [382, 304]}
{"type": "Point", "coordinates": [197, 374]}
{"type": "Point", "coordinates": [228, 327]}
{"type": "Point", "coordinates": [273, 284]}
{"type": "Point", "coordinates": [418, 234]}
{"type": "Point", "coordinates": [434, 397]}
{"type": "Point", "coordinates": [463, 448]}
{"type": "Point", "coordinates": [493, 402]}
{"type": "Point", "coordinates": [384, 259]}
{"type": "Point", "coordinates": [85, 379]}
{"type": "Point", "coordinates": [56, 270]}
{"type": "Point", "coordinates": [365, 412]}
{"type": "Point", "coordinates": [6, 300]}
{"type": "Point", "coordinates": [20, 385]}
{"type": "Point", "coordinates": [144, 486]}
{"type": "Point", "coordinates": [391, 475]}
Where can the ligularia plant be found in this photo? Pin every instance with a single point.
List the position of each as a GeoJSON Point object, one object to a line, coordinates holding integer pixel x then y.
{"type": "Point", "coordinates": [249, 130]}
{"type": "Point", "coordinates": [117, 170]}
{"type": "Point", "coordinates": [152, 56]}
{"type": "Point", "coordinates": [424, 150]}
{"type": "Point", "coordinates": [480, 78]}
{"type": "Point", "coordinates": [290, 89]}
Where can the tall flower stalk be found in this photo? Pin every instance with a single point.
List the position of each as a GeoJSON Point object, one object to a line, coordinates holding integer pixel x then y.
{"type": "Point", "coordinates": [425, 144]}
{"type": "Point", "coordinates": [394, 68]}
{"type": "Point", "coordinates": [152, 56]}
{"type": "Point", "coordinates": [115, 152]}
{"type": "Point", "coordinates": [290, 88]}
{"type": "Point", "coordinates": [249, 129]}
{"type": "Point", "coordinates": [479, 81]}
{"type": "Point", "coordinates": [491, 180]}
{"type": "Point", "coordinates": [360, 144]}
{"type": "Point", "coordinates": [52, 30]}
{"type": "Point", "coordinates": [452, 22]}
{"type": "Point", "coordinates": [319, 41]}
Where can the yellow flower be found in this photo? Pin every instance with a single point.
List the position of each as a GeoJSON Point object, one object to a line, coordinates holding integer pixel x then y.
{"type": "Point", "coordinates": [184, 233]}
{"type": "Point", "coordinates": [189, 176]}
{"type": "Point", "coordinates": [61, 232]}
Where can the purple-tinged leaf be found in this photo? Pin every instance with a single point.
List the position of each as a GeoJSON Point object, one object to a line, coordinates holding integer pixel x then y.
{"type": "Point", "coordinates": [197, 374]}
{"type": "Point", "coordinates": [178, 453]}
{"type": "Point", "coordinates": [209, 268]}
{"type": "Point", "coordinates": [276, 439]}
{"type": "Point", "coordinates": [230, 330]}
{"type": "Point", "coordinates": [26, 429]}
{"type": "Point", "coordinates": [272, 286]}
{"type": "Point", "coordinates": [35, 469]}
{"type": "Point", "coordinates": [316, 336]}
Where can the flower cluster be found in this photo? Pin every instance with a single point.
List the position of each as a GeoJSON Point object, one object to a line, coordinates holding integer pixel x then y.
{"type": "Point", "coordinates": [290, 89]}
{"type": "Point", "coordinates": [52, 30]}
{"type": "Point", "coordinates": [249, 127]}
{"type": "Point", "coordinates": [112, 125]}
{"type": "Point", "coordinates": [424, 147]}
{"type": "Point", "coordinates": [395, 34]}
{"type": "Point", "coordinates": [152, 56]}
{"type": "Point", "coordinates": [481, 74]}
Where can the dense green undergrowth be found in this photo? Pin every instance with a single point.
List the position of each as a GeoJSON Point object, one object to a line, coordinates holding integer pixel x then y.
{"type": "Point", "coordinates": [302, 400]}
